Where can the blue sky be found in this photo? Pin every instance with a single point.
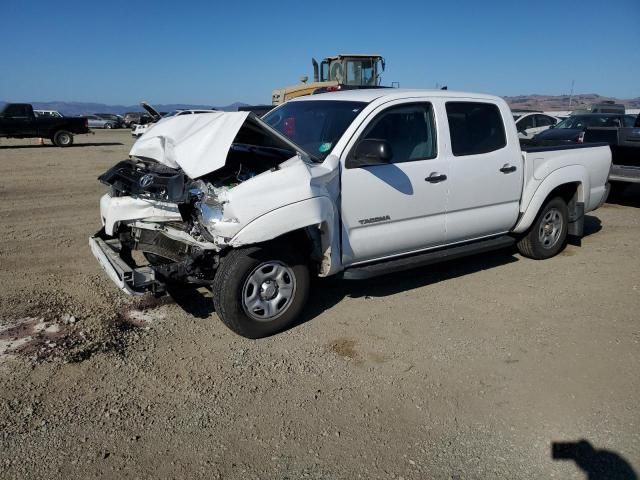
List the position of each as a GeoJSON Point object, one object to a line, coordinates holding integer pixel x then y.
{"type": "Point", "coordinates": [211, 52]}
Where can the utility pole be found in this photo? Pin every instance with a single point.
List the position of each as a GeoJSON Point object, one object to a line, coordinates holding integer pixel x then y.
{"type": "Point", "coordinates": [571, 94]}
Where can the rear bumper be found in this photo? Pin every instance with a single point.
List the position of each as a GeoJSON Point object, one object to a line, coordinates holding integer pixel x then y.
{"type": "Point", "coordinates": [129, 278]}
{"type": "Point", "coordinates": [623, 173]}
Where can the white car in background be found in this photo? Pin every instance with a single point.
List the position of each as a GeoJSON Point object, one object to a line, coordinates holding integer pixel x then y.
{"type": "Point", "coordinates": [529, 124]}
{"type": "Point", "coordinates": [138, 130]}
{"type": "Point", "coordinates": [47, 113]}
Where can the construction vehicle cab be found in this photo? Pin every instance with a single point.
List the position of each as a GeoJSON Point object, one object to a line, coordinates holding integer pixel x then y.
{"type": "Point", "coordinates": [345, 71]}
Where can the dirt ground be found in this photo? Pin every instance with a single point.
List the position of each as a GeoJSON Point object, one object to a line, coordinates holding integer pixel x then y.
{"type": "Point", "coordinates": [470, 369]}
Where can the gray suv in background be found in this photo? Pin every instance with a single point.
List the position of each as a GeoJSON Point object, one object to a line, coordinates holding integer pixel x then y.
{"type": "Point", "coordinates": [141, 118]}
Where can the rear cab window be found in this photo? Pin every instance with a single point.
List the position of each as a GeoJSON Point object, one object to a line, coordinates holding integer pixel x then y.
{"type": "Point", "coordinates": [17, 110]}
{"type": "Point", "coordinates": [475, 128]}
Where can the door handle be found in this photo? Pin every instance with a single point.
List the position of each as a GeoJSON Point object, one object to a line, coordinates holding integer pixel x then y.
{"type": "Point", "coordinates": [436, 177]}
{"type": "Point", "coordinates": [506, 168]}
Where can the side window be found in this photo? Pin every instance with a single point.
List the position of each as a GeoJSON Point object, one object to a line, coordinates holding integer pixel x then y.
{"type": "Point", "coordinates": [525, 123]}
{"type": "Point", "coordinates": [628, 120]}
{"type": "Point", "coordinates": [408, 129]}
{"type": "Point", "coordinates": [612, 122]}
{"type": "Point", "coordinates": [475, 128]}
{"type": "Point", "coordinates": [544, 121]}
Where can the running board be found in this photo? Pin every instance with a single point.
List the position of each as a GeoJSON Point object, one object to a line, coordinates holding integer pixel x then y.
{"type": "Point", "coordinates": [427, 258]}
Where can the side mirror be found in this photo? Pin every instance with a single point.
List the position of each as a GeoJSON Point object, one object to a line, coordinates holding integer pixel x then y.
{"type": "Point", "coordinates": [370, 151]}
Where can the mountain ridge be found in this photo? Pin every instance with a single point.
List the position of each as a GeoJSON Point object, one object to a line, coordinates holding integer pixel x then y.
{"type": "Point", "coordinates": [528, 102]}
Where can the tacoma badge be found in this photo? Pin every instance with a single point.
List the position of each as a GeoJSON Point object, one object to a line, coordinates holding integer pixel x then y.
{"type": "Point", "coordinates": [367, 221]}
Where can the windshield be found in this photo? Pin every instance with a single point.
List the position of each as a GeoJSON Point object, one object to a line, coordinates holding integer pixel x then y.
{"type": "Point", "coordinates": [315, 125]}
{"type": "Point", "coordinates": [583, 121]}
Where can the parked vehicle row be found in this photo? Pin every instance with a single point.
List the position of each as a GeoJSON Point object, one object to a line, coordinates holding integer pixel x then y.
{"type": "Point", "coordinates": [620, 131]}
{"type": "Point", "coordinates": [139, 130]}
{"type": "Point", "coordinates": [572, 129]}
{"type": "Point", "coordinates": [356, 183]}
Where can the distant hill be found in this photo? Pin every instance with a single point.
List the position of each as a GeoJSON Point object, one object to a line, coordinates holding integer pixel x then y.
{"type": "Point", "coordinates": [561, 102]}
{"type": "Point", "coordinates": [84, 108]}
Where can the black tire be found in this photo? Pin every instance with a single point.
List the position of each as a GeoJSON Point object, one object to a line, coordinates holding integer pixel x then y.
{"type": "Point", "coordinates": [62, 138]}
{"type": "Point", "coordinates": [108, 125]}
{"type": "Point", "coordinates": [546, 238]}
{"type": "Point", "coordinates": [232, 284]}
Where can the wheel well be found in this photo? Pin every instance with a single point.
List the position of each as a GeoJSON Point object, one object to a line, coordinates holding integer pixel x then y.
{"type": "Point", "coordinates": [306, 240]}
{"type": "Point", "coordinates": [568, 192]}
{"type": "Point", "coordinates": [302, 239]}
{"type": "Point", "coordinates": [571, 193]}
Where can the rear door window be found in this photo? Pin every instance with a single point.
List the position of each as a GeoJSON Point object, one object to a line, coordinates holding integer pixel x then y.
{"type": "Point", "coordinates": [475, 128]}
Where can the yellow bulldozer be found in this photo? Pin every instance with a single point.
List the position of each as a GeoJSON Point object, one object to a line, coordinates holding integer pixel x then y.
{"type": "Point", "coordinates": [344, 71]}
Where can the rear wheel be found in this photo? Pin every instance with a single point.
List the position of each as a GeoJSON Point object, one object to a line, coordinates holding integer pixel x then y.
{"type": "Point", "coordinates": [259, 291]}
{"type": "Point", "coordinates": [108, 125]}
{"type": "Point", "coordinates": [548, 234]}
{"type": "Point", "coordinates": [62, 138]}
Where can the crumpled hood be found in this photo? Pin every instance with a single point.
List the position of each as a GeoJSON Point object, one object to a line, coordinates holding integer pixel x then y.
{"type": "Point", "coordinates": [199, 144]}
{"type": "Point", "coordinates": [196, 143]}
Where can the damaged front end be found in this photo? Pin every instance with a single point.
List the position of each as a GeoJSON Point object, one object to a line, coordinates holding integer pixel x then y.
{"type": "Point", "coordinates": [151, 234]}
{"type": "Point", "coordinates": [164, 220]}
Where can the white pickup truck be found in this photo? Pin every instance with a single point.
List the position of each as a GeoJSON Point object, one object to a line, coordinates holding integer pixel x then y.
{"type": "Point", "coordinates": [358, 183]}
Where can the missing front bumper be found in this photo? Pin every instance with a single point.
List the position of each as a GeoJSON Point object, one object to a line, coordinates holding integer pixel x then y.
{"type": "Point", "coordinates": [128, 277]}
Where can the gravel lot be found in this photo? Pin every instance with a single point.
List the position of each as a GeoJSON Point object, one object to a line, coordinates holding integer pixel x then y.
{"type": "Point", "coordinates": [470, 369]}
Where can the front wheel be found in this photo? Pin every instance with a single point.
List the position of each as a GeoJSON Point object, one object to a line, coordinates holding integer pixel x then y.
{"type": "Point", "coordinates": [548, 234]}
{"type": "Point", "coordinates": [108, 125]}
{"type": "Point", "coordinates": [259, 291]}
{"type": "Point", "coordinates": [62, 138]}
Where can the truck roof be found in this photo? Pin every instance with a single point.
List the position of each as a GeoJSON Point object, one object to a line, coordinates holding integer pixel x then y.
{"type": "Point", "coordinates": [368, 95]}
{"type": "Point", "coordinates": [355, 55]}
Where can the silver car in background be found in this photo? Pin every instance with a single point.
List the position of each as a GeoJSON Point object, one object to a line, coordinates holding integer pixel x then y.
{"type": "Point", "coordinates": [97, 122]}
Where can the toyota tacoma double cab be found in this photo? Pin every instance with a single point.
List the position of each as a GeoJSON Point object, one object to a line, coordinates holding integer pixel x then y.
{"type": "Point", "coordinates": [17, 120]}
{"type": "Point", "coordinates": [357, 183]}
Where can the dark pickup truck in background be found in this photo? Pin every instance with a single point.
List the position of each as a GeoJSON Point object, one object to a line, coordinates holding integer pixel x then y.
{"type": "Point", "coordinates": [18, 121]}
{"type": "Point", "coordinates": [625, 148]}
{"type": "Point", "coordinates": [619, 130]}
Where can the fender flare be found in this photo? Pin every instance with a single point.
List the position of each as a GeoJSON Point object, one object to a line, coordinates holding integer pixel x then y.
{"type": "Point", "coordinates": [562, 176]}
{"type": "Point", "coordinates": [316, 212]}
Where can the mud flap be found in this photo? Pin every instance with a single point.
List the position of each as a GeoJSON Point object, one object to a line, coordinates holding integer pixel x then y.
{"type": "Point", "coordinates": [576, 219]}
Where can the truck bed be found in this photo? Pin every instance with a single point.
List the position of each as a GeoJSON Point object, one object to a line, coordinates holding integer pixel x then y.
{"type": "Point", "coordinates": [587, 163]}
